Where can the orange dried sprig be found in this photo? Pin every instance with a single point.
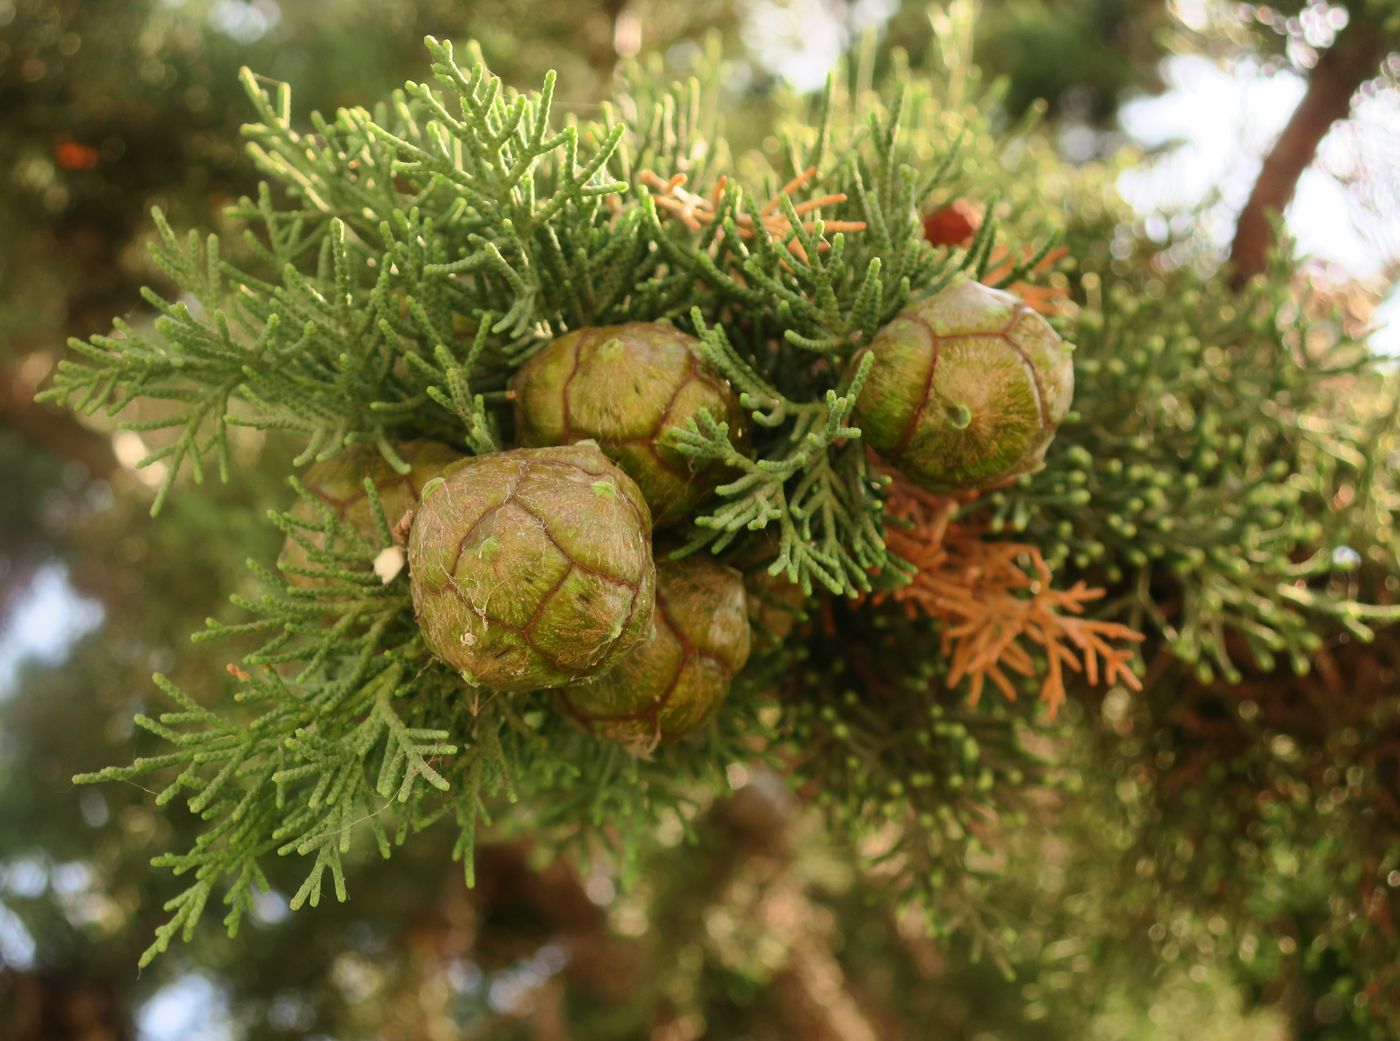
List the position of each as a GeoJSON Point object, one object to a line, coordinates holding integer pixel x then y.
{"type": "Point", "coordinates": [696, 211]}
{"type": "Point", "coordinates": [1047, 300]}
{"type": "Point", "coordinates": [997, 601]}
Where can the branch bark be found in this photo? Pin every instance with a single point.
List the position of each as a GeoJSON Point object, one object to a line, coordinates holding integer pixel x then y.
{"type": "Point", "coordinates": [1341, 69]}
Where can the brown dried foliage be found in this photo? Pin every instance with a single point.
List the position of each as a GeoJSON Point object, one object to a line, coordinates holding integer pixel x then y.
{"type": "Point", "coordinates": [1048, 300]}
{"type": "Point", "coordinates": [696, 211]}
{"type": "Point", "coordinates": [997, 603]}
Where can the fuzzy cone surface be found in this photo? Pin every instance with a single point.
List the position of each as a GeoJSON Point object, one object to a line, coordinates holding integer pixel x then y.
{"type": "Point", "coordinates": [967, 388]}
{"type": "Point", "coordinates": [339, 483]}
{"type": "Point", "coordinates": [675, 679]}
{"type": "Point", "coordinates": [625, 387]}
{"type": "Point", "coordinates": [532, 568]}
{"type": "Point", "coordinates": [775, 604]}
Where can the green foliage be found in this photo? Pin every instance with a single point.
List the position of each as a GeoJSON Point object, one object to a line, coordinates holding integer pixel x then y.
{"type": "Point", "coordinates": [403, 262]}
{"type": "Point", "coordinates": [348, 727]}
{"type": "Point", "coordinates": [1200, 474]}
{"type": "Point", "coordinates": [424, 251]}
{"type": "Point", "coordinates": [1079, 56]}
{"type": "Point", "coordinates": [1270, 807]}
{"type": "Point", "coordinates": [929, 786]}
{"type": "Point", "coordinates": [414, 222]}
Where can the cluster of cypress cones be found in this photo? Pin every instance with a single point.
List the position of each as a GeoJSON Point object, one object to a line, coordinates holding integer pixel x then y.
{"type": "Point", "coordinates": [533, 568]}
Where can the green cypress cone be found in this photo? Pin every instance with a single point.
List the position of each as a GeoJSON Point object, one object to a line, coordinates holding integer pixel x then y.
{"type": "Point", "coordinates": [967, 388]}
{"type": "Point", "coordinates": [532, 568]}
{"type": "Point", "coordinates": [675, 679]}
{"type": "Point", "coordinates": [339, 483]}
{"type": "Point", "coordinates": [626, 386]}
{"type": "Point", "coordinates": [776, 605]}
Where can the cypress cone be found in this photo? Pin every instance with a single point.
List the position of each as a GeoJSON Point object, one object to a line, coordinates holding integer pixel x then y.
{"type": "Point", "coordinates": [339, 483]}
{"type": "Point", "coordinates": [675, 679]}
{"type": "Point", "coordinates": [967, 389]}
{"type": "Point", "coordinates": [775, 603]}
{"type": "Point", "coordinates": [532, 568]}
{"type": "Point", "coordinates": [626, 387]}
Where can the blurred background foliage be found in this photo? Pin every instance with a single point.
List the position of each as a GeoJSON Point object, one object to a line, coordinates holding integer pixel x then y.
{"type": "Point", "coordinates": [1188, 889]}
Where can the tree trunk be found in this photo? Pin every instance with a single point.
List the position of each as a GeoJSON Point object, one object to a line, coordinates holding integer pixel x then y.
{"type": "Point", "coordinates": [1352, 60]}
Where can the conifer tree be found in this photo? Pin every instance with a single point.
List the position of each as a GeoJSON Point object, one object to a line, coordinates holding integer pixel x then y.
{"type": "Point", "coordinates": [957, 622]}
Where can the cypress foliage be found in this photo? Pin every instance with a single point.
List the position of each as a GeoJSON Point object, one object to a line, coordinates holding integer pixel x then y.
{"type": "Point", "coordinates": [400, 265]}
